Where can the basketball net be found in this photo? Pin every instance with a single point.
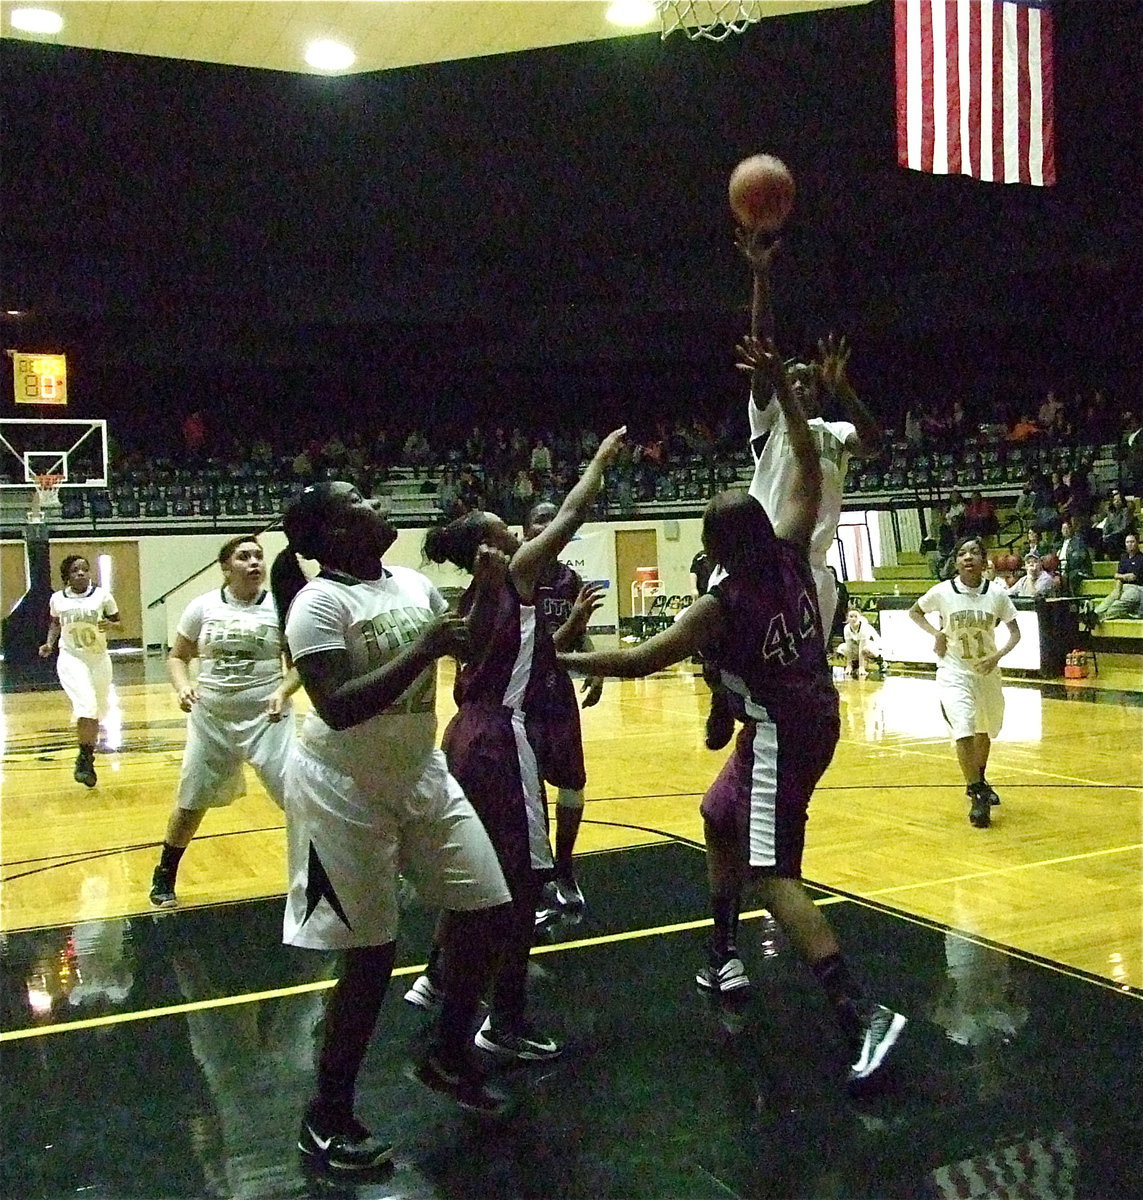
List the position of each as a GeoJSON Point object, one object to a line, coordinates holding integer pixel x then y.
{"type": "Point", "coordinates": [713, 20]}
{"type": "Point", "coordinates": [45, 497]}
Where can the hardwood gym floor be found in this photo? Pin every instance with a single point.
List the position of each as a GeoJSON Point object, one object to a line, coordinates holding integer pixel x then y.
{"type": "Point", "coordinates": [168, 1055]}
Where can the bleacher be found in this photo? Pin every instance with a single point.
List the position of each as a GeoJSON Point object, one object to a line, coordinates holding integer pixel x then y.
{"type": "Point", "coordinates": [910, 579]}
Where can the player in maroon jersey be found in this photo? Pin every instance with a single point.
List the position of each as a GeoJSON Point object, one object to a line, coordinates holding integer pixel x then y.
{"type": "Point", "coordinates": [759, 626]}
{"type": "Point", "coordinates": [512, 672]}
{"type": "Point", "coordinates": [555, 731]}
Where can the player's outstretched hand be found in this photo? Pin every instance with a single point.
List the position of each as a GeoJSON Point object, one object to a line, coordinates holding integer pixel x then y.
{"type": "Point", "coordinates": [758, 248]}
{"type": "Point", "coordinates": [45, 651]}
{"type": "Point", "coordinates": [833, 355]}
{"type": "Point", "coordinates": [592, 689]}
{"type": "Point", "coordinates": [611, 445]}
{"type": "Point", "coordinates": [590, 599]}
{"type": "Point", "coordinates": [188, 697]}
{"type": "Point", "coordinates": [760, 354]}
{"type": "Point", "coordinates": [448, 634]}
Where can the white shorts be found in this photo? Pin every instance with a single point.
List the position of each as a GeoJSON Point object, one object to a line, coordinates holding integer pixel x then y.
{"type": "Point", "coordinates": [224, 730]}
{"type": "Point", "coordinates": [971, 703]}
{"type": "Point", "coordinates": [87, 683]}
{"type": "Point", "coordinates": [347, 847]}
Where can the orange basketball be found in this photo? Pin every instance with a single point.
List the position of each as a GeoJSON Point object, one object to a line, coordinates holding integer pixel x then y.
{"type": "Point", "coordinates": [761, 192]}
{"type": "Point", "coordinates": [1013, 562]}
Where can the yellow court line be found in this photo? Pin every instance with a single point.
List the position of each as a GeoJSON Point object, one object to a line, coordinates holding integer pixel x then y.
{"type": "Point", "coordinates": [301, 989]}
{"type": "Point", "coordinates": [992, 872]}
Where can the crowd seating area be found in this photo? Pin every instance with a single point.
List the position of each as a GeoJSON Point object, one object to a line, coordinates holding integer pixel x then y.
{"type": "Point", "coordinates": [678, 481]}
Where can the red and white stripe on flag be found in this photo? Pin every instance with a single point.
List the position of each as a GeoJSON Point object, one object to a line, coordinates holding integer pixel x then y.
{"type": "Point", "coordinates": [974, 89]}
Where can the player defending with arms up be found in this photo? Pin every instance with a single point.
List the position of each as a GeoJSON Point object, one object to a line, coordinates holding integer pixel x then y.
{"type": "Point", "coordinates": [774, 461]}
{"type": "Point", "coordinates": [554, 726]}
{"type": "Point", "coordinates": [759, 627]}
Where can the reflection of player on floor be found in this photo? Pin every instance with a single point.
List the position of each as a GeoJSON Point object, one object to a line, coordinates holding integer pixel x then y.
{"type": "Point", "coordinates": [774, 463]}
{"type": "Point", "coordinates": [81, 614]}
{"type": "Point", "coordinates": [237, 710]}
{"type": "Point", "coordinates": [759, 626]}
{"type": "Point", "coordinates": [970, 607]}
{"type": "Point", "coordinates": [511, 673]}
{"type": "Point", "coordinates": [555, 730]}
{"type": "Point", "coordinates": [367, 795]}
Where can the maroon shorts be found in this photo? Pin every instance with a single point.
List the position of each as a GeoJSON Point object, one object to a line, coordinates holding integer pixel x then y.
{"type": "Point", "coordinates": [490, 757]}
{"type": "Point", "coordinates": [762, 795]}
{"type": "Point", "coordinates": [558, 741]}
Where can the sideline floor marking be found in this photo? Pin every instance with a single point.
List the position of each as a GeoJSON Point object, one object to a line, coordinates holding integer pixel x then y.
{"type": "Point", "coordinates": [301, 989]}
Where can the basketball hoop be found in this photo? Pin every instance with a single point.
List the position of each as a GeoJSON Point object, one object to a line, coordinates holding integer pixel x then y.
{"type": "Point", "coordinates": [45, 497]}
{"type": "Point", "coordinates": [713, 20]}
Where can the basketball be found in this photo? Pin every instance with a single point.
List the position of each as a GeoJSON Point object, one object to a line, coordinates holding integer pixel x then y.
{"type": "Point", "coordinates": [1013, 562]}
{"type": "Point", "coordinates": [761, 192]}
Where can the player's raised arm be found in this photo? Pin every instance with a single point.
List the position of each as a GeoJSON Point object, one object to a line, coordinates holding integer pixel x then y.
{"type": "Point", "coordinates": [795, 523]}
{"type": "Point", "coordinates": [758, 248]}
{"type": "Point", "coordinates": [833, 358]}
{"type": "Point", "coordinates": [533, 557]}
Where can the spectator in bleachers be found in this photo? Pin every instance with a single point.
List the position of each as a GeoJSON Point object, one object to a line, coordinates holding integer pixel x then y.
{"type": "Point", "coordinates": [1037, 543]}
{"type": "Point", "coordinates": [1130, 569]}
{"type": "Point", "coordinates": [955, 513]}
{"type": "Point", "coordinates": [417, 452]}
{"type": "Point", "coordinates": [1051, 412]}
{"type": "Point", "coordinates": [939, 546]}
{"type": "Point", "coordinates": [1047, 516]}
{"type": "Point", "coordinates": [1035, 583]}
{"type": "Point", "coordinates": [1061, 493]}
{"type": "Point", "coordinates": [1026, 504]}
{"type": "Point", "coordinates": [523, 494]}
{"type": "Point", "coordinates": [194, 436]}
{"type": "Point", "coordinates": [980, 516]}
{"type": "Point", "coordinates": [1113, 525]}
{"type": "Point", "coordinates": [1024, 429]}
{"type": "Point", "coordinates": [448, 494]}
{"type": "Point", "coordinates": [1074, 556]}
{"type": "Point", "coordinates": [541, 459]}
{"type": "Point", "coordinates": [474, 446]}
{"type": "Point", "coordinates": [1126, 597]}
{"type": "Point", "coordinates": [1080, 502]}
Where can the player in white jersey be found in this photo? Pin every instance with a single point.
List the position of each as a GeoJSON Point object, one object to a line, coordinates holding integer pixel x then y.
{"type": "Point", "coordinates": [970, 608]}
{"type": "Point", "coordinates": [368, 796]}
{"type": "Point", "coordinates": [837, 441]}
{"type": "Point", "coordinates": [81, 614]}
{"type": "Point", "coordinates": [860, 643]}
{"type": "Point", "coordinates": [238, 709]}
{"type": "Point", "coordinates": [774, 459]}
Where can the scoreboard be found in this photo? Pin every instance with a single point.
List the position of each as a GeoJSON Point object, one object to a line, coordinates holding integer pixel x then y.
{"type": "Point", "coordinates": [39, 378]}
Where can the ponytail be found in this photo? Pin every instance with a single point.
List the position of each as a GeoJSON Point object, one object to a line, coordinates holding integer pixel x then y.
{"type": "Point", "coordinates": [286, 580]}
{"type": "Point", "coordinates": [457, 542]}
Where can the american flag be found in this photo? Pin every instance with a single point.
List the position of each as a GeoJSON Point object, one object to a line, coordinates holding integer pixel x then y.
{"type": "Point", "coordinates": [974, 89]}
